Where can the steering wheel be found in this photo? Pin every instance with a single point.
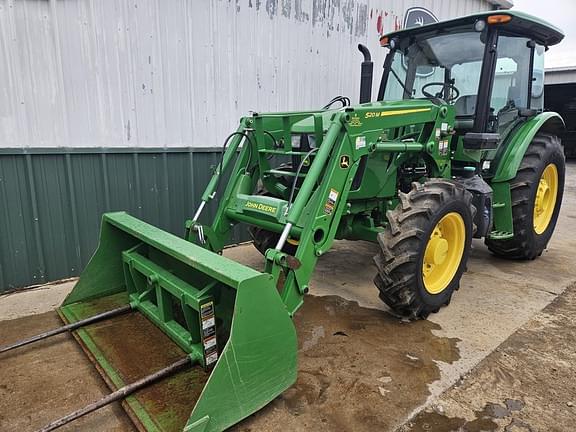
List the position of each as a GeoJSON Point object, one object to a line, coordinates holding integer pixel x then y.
{"type": "Point", "coordinates": [454, 94]}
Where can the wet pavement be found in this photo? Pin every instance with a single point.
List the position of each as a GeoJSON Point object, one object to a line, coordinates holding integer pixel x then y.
{"type": "Point", "coordinates": [526, 385]}
{"type": "Point", "coordinates": [359, 369]}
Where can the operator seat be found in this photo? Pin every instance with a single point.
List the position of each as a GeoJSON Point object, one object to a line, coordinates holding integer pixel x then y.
{"type": "Point", "coordinates": [465, 108]}
{"type": "Point", "coordinates": [509, 112]}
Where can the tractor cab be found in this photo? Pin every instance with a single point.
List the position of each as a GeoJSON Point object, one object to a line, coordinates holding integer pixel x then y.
{"type": "Point", "coordinates": [488, 66]}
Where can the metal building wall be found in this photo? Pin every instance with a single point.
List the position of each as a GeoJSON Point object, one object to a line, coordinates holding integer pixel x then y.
{"type": "Point", "coordinates": [120, 105]}
{"type": "Point", "coordinates": [171, 73]}
{"type": "Point", "coordinates": [52, 202]}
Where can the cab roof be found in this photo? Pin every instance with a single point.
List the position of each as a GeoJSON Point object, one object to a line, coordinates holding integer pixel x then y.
{"type": "Point", "coordinates": [521, 23]}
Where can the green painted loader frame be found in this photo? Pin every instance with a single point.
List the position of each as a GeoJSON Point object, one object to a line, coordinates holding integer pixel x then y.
{"type": "Point", "coordinates": [300, 180]}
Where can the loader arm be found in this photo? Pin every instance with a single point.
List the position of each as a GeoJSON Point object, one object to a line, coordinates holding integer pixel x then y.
{"type": "Point", "coordinates": [312, 216]}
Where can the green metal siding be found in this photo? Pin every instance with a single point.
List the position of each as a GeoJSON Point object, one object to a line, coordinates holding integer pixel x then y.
{"type": "Point", "coordinates": [53, 199]}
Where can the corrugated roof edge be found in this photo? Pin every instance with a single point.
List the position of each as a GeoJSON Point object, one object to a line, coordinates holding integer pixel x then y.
{"type": "Point", "coordinates": [8, 151]}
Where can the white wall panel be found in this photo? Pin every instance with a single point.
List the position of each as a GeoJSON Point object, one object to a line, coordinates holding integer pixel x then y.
{"type": "Point", "coordinates": [171, 73]}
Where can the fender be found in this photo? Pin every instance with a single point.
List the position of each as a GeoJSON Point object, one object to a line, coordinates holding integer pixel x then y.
{"type": "Point", "coordinates": [509, 162]}
{"type": "Point", "coordinates": [518, 143]}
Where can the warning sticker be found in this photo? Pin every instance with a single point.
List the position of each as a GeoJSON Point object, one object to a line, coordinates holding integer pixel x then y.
{"type": "Point", "coordinates": [208, 323]}
{"type": "Point", "coordinates": [331, 201]}
{"type": "Point", "coordinates": [211, 358]}
{"type": "Point", "coordinates": [443, 147]}
{"type": "Point", "coordinates": [360, 142]}
{"type": "Point", "coordinates": [207, 310]}
{"type": "Point", "coordinates": [333, 195]}
{"type": "Point", "coordinates": [209, 343]}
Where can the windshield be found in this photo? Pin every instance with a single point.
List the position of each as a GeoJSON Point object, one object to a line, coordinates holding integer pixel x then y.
{"type": "Point", "coordinates": [445, 66]}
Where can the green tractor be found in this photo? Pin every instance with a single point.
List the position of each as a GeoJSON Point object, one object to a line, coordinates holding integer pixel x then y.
{"type": "Point", "coordinates": [455, 146]}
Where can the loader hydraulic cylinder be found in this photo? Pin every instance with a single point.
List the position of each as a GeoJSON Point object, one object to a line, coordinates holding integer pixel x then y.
{"type": "Point", "coordinates": [319, 163]}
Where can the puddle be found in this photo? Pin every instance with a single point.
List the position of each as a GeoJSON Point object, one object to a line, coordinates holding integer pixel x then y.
{"type": "Point", "coordinates": [518, 426]}
{"type": "Point", "coordinates": [514, 404]}
{"type": "Point", "coordinates": [484, 421]}
{"type": "Point", "coordinates": [359, 369]}
{"type": "Point", "coordinates": [494, 411]}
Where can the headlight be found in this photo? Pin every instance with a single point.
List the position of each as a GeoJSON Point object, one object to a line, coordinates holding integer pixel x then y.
{"type": "Point", "coordinates": [312, 141]}
{"type": "Point", "coordinates": [303, 141]}
{"type": "Point", "coordinates": [479, 25]}
{"type": "Point", "coordinates": [296, 140]}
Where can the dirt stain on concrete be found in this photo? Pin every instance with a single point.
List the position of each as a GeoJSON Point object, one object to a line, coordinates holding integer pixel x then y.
{"type": "Point", "coordinates": [44, 381]}
{"type": "Point", "coordinates": [136, 347]}
{"type": "Point", "coordinates": [359, 369]}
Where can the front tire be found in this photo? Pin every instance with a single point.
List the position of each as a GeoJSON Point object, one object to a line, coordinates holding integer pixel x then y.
{"type": "Point", "coordinates": [264, 240]}
{"type": "Point", "coordinates": [425, 248]}
{"type": "Point", "coordinates": [536, 193]}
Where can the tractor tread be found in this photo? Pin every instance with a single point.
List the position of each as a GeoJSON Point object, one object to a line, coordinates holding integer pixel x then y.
{"type": "Point", "coordinates": [400, 244]}
{"type": "Point", "coordinates": [526, 244]}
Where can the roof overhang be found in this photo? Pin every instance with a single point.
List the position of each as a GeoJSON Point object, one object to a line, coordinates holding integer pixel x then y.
{"type": "Point", "coordinates": [560, 75]}
{"type": "Point", "coordinates": [502, 4]}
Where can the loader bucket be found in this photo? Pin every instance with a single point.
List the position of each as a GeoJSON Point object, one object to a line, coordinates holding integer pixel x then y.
{"type": "Point", "coordinates": [227, 317]}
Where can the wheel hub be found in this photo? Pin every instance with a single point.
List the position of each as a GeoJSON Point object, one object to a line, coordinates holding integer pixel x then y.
{"type": "Point", "coordinates": [436, 251]}
{"type": "Point", "coordinates": [443, 253]}
{"type": "Point", "coordinates": [545, 200]}
{"type": "Point", "coordinates": [542, 195]}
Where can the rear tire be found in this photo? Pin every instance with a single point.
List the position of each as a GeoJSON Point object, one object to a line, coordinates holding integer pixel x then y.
{"type": "Point", "coordinates": [533, 229]}
{"type": "Point", "coordinates": [414, 276]}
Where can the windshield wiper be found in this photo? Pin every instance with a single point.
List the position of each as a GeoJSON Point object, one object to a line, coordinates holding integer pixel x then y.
{"type": "Point", "coordinates": [401, 83]}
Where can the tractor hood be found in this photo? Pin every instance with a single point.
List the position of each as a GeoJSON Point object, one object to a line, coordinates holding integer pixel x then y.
{"type": "Point", "coordinates": [381, 109]}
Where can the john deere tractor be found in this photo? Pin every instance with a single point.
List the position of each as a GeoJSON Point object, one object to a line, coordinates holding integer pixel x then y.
{"type": "Point", "coordinates": [455, 146]}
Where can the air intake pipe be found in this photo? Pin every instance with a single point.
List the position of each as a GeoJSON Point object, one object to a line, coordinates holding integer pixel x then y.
{"type": "Point", "coordinates": [366, 73]}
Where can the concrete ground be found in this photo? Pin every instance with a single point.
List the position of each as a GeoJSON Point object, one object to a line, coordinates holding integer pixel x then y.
{"type": "Point", "coordinates": [498, 358]}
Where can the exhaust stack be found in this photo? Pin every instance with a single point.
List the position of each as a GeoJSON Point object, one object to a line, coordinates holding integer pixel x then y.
{"type": "Point", "coordinates": [366, 73]}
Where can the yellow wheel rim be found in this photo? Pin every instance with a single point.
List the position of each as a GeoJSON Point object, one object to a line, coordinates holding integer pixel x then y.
{"type": "Point", "coordinates": [443, 253]}
{"type": "Point", "coordinates": [545, 200]}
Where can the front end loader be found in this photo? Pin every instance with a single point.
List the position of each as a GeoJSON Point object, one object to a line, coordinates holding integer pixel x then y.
{"type": "Point", "coordinates": [455, 146]}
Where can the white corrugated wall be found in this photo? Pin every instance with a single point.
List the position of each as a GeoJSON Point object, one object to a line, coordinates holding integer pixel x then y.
{"type": "Point", "coordinates": [173, 73]}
